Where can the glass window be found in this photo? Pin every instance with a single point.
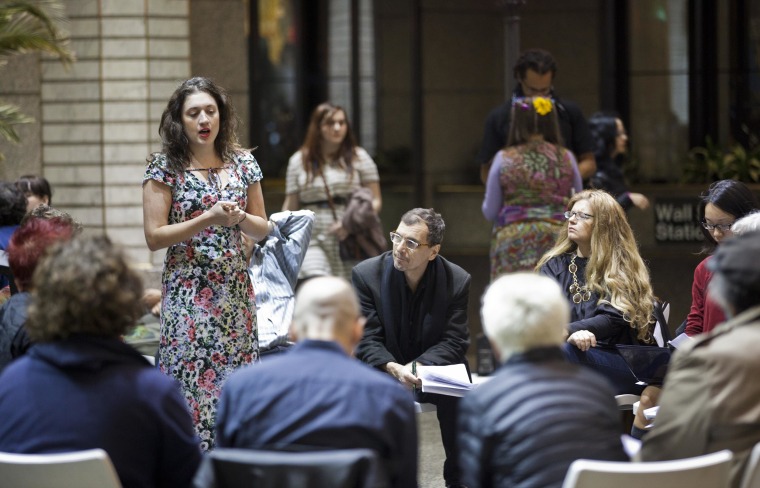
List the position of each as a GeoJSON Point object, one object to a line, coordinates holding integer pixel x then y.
{"type": "Point", "coordinates": [659, 87]}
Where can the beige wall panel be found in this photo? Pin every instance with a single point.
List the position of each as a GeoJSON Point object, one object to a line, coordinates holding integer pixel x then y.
{"type": "Point", "coordinates": [177, 8]}
{"type": "Point", "coordinates": [161, 27]}
{"type": "Point", "coordinates": [82, 8]}
{"type": "Point", "coordinates": [125, 69]}
{"type": "Point", "coordinates": [88, 48]}
{"type": "Point", "coordinates": [172, 69]}
{"type": "Point", "coordinates": [78, 195]}
{"type": "Point", "coordinates": [168, 48]}
{"type": "Point", "coordinates": [125, 48]}
{"type": "Point", "coordinates": [83, 28]}
{"type": "Point", "coordinates": [120, 132]}
{"type": "Point", "coordinates": [73, 174]}
{"type": "Point", "coordinates": [55, 71]}
{"type": "Point", "coordinates": [59, 133]}
{"type": "Point", "coordinates": [124, 27]}
{"type": "Point", "coordinates": [125, 153]}
{"type": "Point", "coordinates": [126, 216]}
{"type": "Point", "coordinates": [134, 110]}
{"type": "Point", "coordinates": [70, 90]}
{"type": "Point", "coordinates": [64, 154]}
{"type": "Point", "coordinates": [125, 173]}
{"type": "Point", "coordinates": [71, 112]}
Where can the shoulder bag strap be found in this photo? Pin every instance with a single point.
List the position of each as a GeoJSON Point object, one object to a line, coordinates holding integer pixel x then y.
{"type": "Point", "coordinates": [327, 191]}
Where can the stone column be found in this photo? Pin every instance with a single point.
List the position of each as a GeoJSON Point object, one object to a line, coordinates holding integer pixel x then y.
{"type": "Point", "coordinates": [100, 118]}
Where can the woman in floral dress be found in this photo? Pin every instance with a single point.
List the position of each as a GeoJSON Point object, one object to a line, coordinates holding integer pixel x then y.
{"type": "Point", "coordinates": [528, 186]}
{"type": "Point", "coordinates": [199, 194]}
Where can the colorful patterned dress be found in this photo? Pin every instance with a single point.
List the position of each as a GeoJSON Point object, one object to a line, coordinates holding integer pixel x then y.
{"type": "Point", "coordinates": [208, 319]}
{"type": "Point", "coordinates": [534, 181]}
{"type": "Point", "coordinates": [323, 256]}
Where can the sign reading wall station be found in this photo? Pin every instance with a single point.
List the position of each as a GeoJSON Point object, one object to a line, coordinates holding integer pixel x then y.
{"type": "Point", "coordinates": [677, 220]}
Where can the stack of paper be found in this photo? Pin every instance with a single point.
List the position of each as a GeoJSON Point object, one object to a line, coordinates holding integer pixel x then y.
{"type": "Point", "coordinates": [449, 380]}
{"type": "Point", "coordinates": [680, 340]}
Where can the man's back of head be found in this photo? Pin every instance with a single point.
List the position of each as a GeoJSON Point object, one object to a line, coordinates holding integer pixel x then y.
{"type": "Point", "coordinates": [735, 284]}
{"type": "Point", "coordinates": [327, 309]}
{"type": "Point", "coordinates": [523, 311]}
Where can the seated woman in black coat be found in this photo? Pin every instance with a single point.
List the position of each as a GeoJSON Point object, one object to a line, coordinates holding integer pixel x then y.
{"type": "Point", "coordinates": [598, 266]}
{"type": "Point", "coordinates": [610, 146]}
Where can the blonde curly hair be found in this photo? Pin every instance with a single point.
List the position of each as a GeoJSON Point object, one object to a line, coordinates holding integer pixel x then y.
{"type": "Point", "coordinates": [615, 270]}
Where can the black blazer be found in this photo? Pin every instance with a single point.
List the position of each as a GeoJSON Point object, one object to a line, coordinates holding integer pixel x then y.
{"type": "Point", "coordinates": [444, 341]}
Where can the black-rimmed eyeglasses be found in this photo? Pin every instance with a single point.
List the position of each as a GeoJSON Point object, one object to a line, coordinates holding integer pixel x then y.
{"type": "Point", "coordinates": [720, 227]}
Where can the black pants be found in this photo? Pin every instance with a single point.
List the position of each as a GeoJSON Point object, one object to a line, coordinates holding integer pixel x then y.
{"type": "Point", "coordinates": [447, 409]}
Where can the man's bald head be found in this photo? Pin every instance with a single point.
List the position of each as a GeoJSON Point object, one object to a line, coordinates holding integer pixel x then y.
{"type": "Point", "coordinates": [327, 309]}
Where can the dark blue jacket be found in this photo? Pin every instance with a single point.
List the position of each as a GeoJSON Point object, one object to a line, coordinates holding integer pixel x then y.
{"type": "Point", "coordinates": [538, 414]}
{"type": "Point", "coordinates": [316, 396]}
{"type": "Point", "coordinates": [86, 392]}
{"type": "Point", "coordinates": [13, 316]}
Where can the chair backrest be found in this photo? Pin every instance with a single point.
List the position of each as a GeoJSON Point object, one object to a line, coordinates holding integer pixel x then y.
{"type": "Point", "coordinates": [661, 332]}
{"type": "Point", "coordinates": [751, 477]}
{"type": "Point", "coordinates": [341, 468]}
{"type": "Point", "coordinates": [708, 471]}
{"type": "Point", "coordinates": [82, 469]}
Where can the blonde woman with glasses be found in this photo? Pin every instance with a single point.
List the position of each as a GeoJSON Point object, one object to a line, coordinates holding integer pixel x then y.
{"type": "Point", "coordinates": [598, 266]}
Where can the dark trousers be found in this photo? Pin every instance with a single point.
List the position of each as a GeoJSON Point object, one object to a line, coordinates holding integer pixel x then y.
{"type": "Point", "coordinates": [447, 408]}
{"type": "Point", "coordinates": [610, 364]}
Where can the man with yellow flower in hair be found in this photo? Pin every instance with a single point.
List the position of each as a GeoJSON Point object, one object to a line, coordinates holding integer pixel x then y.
{"type": "Point", "coordinates": [534, 71]}
{"type": "Point", "coordinates": [528, 187]}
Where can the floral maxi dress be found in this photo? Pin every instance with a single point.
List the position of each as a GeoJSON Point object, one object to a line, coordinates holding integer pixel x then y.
{"type": "Point", "coordinates": [208, 319]}
{"type": "Point", "coordinates": [536, 182]}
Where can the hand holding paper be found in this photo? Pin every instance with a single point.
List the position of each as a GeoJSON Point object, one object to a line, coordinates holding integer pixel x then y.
{"type": "Point", "coordinates": [445, 380]}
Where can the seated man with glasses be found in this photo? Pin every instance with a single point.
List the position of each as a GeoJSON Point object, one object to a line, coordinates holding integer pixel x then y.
{"type": "Point", "coordinates": [415, 302]}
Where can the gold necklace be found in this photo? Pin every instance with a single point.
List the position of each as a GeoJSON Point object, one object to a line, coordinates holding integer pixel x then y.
{"type": "Point", "coordinates": [580, 294]}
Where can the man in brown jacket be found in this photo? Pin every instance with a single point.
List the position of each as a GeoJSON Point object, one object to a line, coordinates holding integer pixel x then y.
{"type": "Point", "coordinates": [710, 397]}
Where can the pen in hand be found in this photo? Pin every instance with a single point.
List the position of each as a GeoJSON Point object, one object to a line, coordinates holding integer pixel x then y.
{"type": "Point", "coordinates": [414, 372]}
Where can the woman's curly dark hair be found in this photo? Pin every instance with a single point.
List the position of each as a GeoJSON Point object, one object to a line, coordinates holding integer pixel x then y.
{"type": "Point", "coordinates": [83, 286]}
{"type": "Point", "coordinates": [174, 141]}
{"type": "Point", "coordinates": [12, 204]}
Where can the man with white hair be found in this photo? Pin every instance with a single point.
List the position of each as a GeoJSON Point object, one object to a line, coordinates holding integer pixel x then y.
{"type": "Point", "coordinates": [538, 413]}
{"type": "Point", "coordinates": [317, 395]}
{"type": "Point", "coordinates": [748, 223]}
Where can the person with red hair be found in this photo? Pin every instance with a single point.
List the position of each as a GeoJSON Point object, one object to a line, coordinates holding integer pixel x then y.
{"type": "Point", "coordinates": [25, 249]}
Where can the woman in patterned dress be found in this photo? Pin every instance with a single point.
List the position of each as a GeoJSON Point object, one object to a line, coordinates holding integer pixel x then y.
{"type": "Point", "coordinates": [528, 186]}
{"type": "Point", "coordinates": [199, 194]}
{"type": "Point", "coordinates": [329, 157]}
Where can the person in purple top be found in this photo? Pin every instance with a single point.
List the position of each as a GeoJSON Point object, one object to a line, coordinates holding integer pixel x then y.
{"type": "Point", "coordinates": [529, 183]}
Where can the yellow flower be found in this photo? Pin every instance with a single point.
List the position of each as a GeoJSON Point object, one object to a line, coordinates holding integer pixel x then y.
{"type": "Point", "coordinates": [542, 105]}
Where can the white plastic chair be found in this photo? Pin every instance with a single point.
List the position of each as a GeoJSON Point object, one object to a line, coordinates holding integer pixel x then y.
{"type": "Point", "coordinates": [708, 471]}
{"type": "Point", "coordinates": [627, 401]}
{"type": "Point", "coordinates": [751, 478]}
{"type": "Point", "coordinates": [82, 469]}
